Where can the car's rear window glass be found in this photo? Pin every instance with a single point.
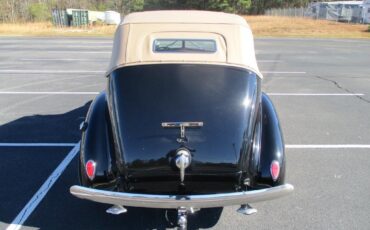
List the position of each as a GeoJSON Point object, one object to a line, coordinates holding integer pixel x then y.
{"type": "Point", "coordinates": [185, 45]}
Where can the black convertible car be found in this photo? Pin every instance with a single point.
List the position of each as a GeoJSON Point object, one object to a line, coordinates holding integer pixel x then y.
{"type": "Point", "coordinates": [183, 123]}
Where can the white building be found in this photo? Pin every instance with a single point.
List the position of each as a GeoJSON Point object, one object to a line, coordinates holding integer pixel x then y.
{"type": "Point", "coordinates": [347, 11]}
{"type": "Point", "coordinates": [365, 13]}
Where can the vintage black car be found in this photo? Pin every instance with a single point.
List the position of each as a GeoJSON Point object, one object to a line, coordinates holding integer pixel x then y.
{"type": "Point", "coordinates": [183, 123]}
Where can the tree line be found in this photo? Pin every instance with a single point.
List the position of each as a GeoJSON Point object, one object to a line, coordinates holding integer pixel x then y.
{"type": "Point", "coordinates": [40, 10]}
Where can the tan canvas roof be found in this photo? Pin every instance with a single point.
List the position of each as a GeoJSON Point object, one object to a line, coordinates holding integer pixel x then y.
{"type": "Point", "coordinates": [135, 36]}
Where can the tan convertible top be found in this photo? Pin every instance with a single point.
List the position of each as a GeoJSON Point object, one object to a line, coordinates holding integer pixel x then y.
{"type": "Point", "coordinates": [135, 36]}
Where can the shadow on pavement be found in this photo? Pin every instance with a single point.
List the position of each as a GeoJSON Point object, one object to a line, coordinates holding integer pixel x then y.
{"type": "Point", "coordinates": [24, 169]}
{"type": "Point", "coordinates": [59, 209]}
{"type": "Point", "coordinates": [45, 128]}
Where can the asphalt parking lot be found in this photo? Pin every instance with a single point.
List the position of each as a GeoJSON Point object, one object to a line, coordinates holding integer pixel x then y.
{"type": "Point", "coordinates": [321, 90]}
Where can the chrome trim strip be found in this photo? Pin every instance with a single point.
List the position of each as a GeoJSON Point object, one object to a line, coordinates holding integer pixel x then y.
{"type": "Point", "coordinates": [174, 201]}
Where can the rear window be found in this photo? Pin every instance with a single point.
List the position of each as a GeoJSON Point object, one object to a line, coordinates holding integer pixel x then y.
{"type": "Point", "coordinates": [184, 45]}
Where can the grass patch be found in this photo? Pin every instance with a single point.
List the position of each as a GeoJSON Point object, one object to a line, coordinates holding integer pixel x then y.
{"type": "Point", "coordinates": [269, 26]}
{"type": "Point", "coordinates": [262, 26]}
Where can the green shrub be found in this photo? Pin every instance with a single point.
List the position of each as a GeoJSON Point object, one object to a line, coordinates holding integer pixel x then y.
{"type": "Point", "coordinates": [233, 6]}
{"type": "Point", "coordinates": [101, 6]}
{"type": "Point", "coordinates": [39, 12]}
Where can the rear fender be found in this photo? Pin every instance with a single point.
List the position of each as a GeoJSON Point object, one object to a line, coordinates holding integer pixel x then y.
{"type": "Point", "coordinates": [96, 144]}
{"type": "Point", "coordinates": [270, 147]}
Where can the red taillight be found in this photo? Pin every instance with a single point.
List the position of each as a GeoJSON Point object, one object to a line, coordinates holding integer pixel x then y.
{"type": "Point", "coordinates": [275, 170]}
{"type": "Point", "coordinates": [90, 169]}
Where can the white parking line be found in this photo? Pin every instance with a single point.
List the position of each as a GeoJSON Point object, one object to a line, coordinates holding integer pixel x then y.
{"type": "Point", "coordinates": [50, 93]}
{"type": "Point", "coordinates": [288, 146]}
{"type": "Point", "coordinates": [37, 144]}
{"type": "Point", "coordinates": [49, 71]}
{"type": "Point", "coordinates": [61, 59]}
{"type": "Point", "coordinates": [99, 71]}
{"type": "Point", "coordinates": [76, 51]}
{"type": "Point", "coordinates": [95, 93]}
{"type": "Point", "coordinates": [25, 46]}
{"type": "Point", "coordinates": [103, 47]}
{"type": "Point", "coordinates": [268, 61]}
{"type": "Point", "coordinates": [52, 42]}
{"type": "Point", "coordinates": [43, 190]}
{"type": "Point", "coordinates": [315, 94]}
{"type": "Point", "coordinates": [282, 72]}
{"type": "Point", "coordinates": [327, 146]}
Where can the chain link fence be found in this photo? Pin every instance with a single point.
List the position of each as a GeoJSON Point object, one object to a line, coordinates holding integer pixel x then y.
{"type": "Point", "coordinates": [351, 13]}
{"type": "Point", "coordinates": [288, 12]}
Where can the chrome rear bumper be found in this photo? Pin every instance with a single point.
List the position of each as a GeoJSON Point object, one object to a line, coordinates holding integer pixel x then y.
{"type": "Point", "coordinates": [177, 201]}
